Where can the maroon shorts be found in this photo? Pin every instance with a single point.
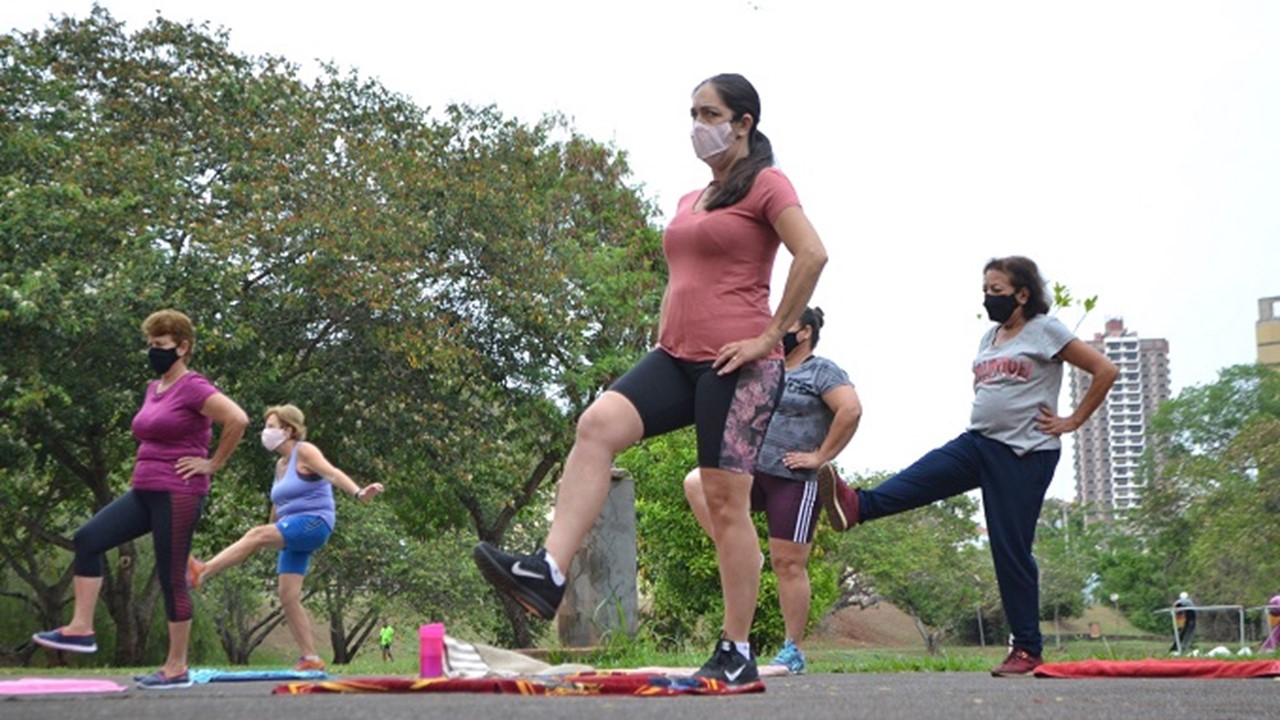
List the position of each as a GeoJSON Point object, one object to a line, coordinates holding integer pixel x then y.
{"type": "Point", "coordinates": [791, 506]}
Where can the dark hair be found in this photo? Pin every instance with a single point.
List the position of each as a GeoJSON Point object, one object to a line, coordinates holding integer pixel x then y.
{"type": "Point", "coordinates": [812, 318]}
{"type": "Point", "coordinates": [740, 97]}
{"type": "Point", "coordinates": [1023, 273]}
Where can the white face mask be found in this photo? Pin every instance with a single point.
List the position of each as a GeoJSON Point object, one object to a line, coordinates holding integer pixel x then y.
{"type": "Point", "coordinates": [272, 437]}
{"type": "Point", "coordinates": [711, 141]}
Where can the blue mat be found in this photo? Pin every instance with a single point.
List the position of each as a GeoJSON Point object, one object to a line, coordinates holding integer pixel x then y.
{"type": "Point", "coordinates": [208, 675]}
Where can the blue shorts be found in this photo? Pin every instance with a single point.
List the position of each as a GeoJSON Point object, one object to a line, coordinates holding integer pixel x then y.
{"type": "Point", "coordinates": [303, 535]}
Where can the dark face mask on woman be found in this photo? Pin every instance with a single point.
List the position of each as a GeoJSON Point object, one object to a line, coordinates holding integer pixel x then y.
{"type": "Point", "coordinates": [1000, 307]}
{"type": "Point", "coordinates": [162, 359]}
{"type": "Point", "coordinates": [789, 343]}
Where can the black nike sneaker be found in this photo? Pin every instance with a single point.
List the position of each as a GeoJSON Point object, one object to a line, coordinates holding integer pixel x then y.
{"type": "Point", "coordinates": [728, 666]}
{"type": "Point", "coordinates": [525, 578]}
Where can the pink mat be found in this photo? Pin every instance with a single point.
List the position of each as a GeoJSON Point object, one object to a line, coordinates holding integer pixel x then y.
{"type": "Point", "coordinates": [1161, 669]}
{"type": "Point", "coordinates": [50, 686]}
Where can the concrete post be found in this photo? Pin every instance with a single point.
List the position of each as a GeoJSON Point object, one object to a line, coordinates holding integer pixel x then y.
{"type": "Point", "coordinates": [600, 596]}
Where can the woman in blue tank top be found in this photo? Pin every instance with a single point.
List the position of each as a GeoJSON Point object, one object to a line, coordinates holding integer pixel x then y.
{"type": "Point", "coordinates": [302, 519]}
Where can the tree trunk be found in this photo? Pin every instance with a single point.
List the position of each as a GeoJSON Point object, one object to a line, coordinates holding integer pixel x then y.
{"type": "Point", "coordinates": [932, 640]}
{"type": "Point", "coordinates": [118, 595]}
{"type": "Point", "coordinates": [337, 637]}
{"type": "Point", "coordinates": [347, 645]}
{"type": "Point", "coordinates": [237, 637]}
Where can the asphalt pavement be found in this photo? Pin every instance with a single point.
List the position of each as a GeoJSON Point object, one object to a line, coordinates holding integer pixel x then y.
{"type": "Point", "coordinates": [883, 696]}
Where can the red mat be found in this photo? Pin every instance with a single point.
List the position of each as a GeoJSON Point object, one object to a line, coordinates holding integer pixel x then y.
{"type": "Point", "coordinates": [1220, 669]}
{"type": "Point", "coordinates": [580, 684]}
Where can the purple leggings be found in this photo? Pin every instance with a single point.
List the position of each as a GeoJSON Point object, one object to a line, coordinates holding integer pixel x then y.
{"type": "Point", "coordinates": [169, 517]}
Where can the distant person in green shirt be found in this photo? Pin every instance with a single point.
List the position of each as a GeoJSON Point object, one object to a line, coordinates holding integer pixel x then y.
{"type": "Point", "coordinates": [384, 638]}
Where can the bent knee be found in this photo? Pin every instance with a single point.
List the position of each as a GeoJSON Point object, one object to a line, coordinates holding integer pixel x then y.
{"type": "Point", "coordinates": [82, 542]}
{"type": "Point", "coordinates": [611, 421]}
{"type": "Point", "coordinates": [263, 535]}
{"type": "Point", "coordinates": [693, 483]}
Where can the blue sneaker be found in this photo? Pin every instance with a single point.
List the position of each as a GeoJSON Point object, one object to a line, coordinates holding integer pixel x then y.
{"type": "Point", "coordinates": [56, 640]}
{"type": "Point", "coordinates": [790, 657]}
{"type": "Point", "coordinates": [159, 681]}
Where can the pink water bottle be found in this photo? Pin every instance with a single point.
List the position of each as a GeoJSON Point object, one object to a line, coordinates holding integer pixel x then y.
{"type": "Point", "coordinates": [431, 650]}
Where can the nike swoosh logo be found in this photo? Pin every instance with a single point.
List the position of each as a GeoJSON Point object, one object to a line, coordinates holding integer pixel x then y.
{"type": "Point", "coordinates": [521, 572]}
{"type": "Point", "coordinates": [731, 676]}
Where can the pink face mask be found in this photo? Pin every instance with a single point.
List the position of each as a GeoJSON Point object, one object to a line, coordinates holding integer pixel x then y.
{"type": "Point", "coordinates": [711, 141]}
{"type": "Point", "coordinates": [273, 437]}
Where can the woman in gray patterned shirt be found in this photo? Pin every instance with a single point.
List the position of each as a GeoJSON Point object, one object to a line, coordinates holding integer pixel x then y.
{"type": "Point", "coordinates": [816, 417]}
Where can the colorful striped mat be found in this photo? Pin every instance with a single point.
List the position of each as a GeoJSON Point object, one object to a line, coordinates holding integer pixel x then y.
{"type": "Point", "coordinates": [603, 683]}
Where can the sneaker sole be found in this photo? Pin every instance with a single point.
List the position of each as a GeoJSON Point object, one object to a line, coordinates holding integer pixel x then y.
{"type": "Point", "coordinates": [827, 480]}
{"type": "Point", "coordinates": [497, 576]}
{"type": "Point", "coordinates": [65, 648]}
{"type": "Point", "coordinates": [166, 686]}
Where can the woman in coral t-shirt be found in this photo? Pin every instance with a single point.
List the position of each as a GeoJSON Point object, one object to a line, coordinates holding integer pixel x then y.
{"type": "Point", "coordinates": [718, 366]}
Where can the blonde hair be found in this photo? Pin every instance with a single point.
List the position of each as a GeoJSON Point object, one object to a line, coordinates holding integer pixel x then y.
{"type": "Point", "coordinates": [291, 417]}
{"type": "Point", "coordinates": [172, 323]}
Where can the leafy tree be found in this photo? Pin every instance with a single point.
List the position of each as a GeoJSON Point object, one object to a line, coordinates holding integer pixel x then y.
{"type": "Point", "coordinates": [105, 171]}
{"type": "Point", "coordinates": [1064, 555]}
{"type": "Point", "coordinates": [678, 565]}
{"type": "Point", "coordinates": [1211, 477]}
{"type": "Point", "coordinates": [1141, 578]}
{"type": "Point", "coordinates": [443, 295]}
{"type": "Point", "coordinates": [242, 612]}
{"type": "Point", "coordinates": [927, 562]}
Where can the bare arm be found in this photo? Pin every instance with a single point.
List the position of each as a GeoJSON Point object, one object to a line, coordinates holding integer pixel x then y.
{"type": "Point", "coordinates": [223, 411]}
{"type": "Point", "coordinates": [1104, 372]}
{"type": "Point", "coordinates": [808, 256]}
{"type": "Point", "coordinates": [310, 457]}
{"type": "Point", "coordinates": [846, 405]}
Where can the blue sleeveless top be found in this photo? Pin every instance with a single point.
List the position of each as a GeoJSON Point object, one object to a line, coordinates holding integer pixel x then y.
{"type": "Point", "coordinates": [296, 495]}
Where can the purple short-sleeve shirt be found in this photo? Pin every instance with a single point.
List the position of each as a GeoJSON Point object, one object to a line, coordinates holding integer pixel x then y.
{"type": "Point", "coordinates": [169, 426]}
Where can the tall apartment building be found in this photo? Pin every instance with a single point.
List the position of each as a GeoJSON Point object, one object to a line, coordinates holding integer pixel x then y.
{"type": "Point", "coordinates": [1109, 445]}
{"type": "Point", "coordinates": [1269, 332]}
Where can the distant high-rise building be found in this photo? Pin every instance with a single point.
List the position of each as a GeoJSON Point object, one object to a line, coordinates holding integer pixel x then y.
{"type": "Point", "coordinates": [1109, 445]}
{"type": "Point", "coordinates": [1269, 332]}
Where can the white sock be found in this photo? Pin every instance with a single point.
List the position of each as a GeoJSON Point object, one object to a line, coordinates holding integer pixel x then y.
{"type": "Point", "coordinates": [557, 577]}
{"type": "Point", "coordinates": [744, 649]}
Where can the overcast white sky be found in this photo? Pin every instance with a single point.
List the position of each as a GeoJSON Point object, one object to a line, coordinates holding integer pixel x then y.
{"type": "Point", "coordinates": [1131, 148]}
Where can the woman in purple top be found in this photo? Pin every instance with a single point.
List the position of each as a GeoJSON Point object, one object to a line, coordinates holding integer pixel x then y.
{"type": "Point", "coordinates": [170, 480]}
{"type": "Point", "coordinates": [302, 518]}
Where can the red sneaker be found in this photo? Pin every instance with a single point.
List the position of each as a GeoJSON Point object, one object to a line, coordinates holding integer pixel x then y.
{"type": "Point", "coordinates": [838, 499]}
{"type": "Point", "coordinates": [305, 663]}
{"type": "Point", "coordinates": [194, 569]}
{"type": "Point", "coordinates": [1019, 662]}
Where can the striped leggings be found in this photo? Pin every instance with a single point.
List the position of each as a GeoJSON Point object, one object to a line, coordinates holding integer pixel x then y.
{"type": "Point", "coordinates": [169, 517]}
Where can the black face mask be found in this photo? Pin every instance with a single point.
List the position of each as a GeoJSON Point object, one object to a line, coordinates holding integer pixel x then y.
{"type": "Point", "coordinates": [789, 343]}
{"type": "Point", "coordinates": [162, 359]}
{"type": "Point", "coordinates": [1000, 307]}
